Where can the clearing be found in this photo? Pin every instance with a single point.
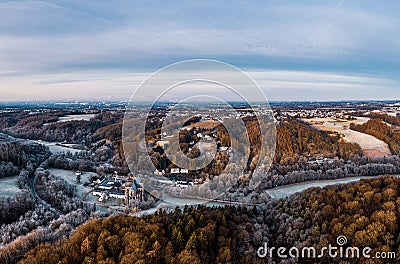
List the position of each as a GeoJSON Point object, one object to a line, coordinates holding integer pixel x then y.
{"type": "Point", "coordinates": [9, 186]}
{"type": "Point", "coordinates": [70, 177]}
{"type": "Point", "coordinates": [84, 193]}
{"type": "Point", "coordinates": [83, 117]}
{"type": "Point", "coordinates": [371, 146]}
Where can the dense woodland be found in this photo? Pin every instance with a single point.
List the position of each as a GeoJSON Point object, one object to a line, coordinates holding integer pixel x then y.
{"type": "Point", "coordinates": [393, 120]}
{"type": "Point", "coordinates": [43, 126]}
{"type": "Point", "coordinates": [55, 191]}
{"type": "Point", "coordinates": [305, 170]}
{"type": "Point", "coordinates": [295, 138]}
{"type": "Point", "coordinates": [37, 226]}
{"type": "Point", "coordinates": [366, 212]}
{"type": "Point", "coordinates": [12, 208]}
{"type": "Point", "coordinates": [22, 154]}
{"type": "Point", "coordinates": [8, 169]}
{"type": "Point", "coordinates": [18, 158]}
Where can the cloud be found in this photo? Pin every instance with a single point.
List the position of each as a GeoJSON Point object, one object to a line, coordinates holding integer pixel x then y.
{"type": "Point", "coordinates": [277, 85]}
{"type": "Point", "coordinates": [43, 38]}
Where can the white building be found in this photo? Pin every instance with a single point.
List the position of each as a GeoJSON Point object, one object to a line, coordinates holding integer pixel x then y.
{"type": "Point", "coordinates": [163, 143]}
{"type": "Point", "coordinates": [175, 170]}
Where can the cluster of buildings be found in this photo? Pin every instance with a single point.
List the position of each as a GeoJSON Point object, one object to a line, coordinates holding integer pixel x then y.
{"type": "Point", "coordinates": [207, 140]}
{"type": "Point", "coordinates": [313, 113]}
{"type": "Point", "coordinates": [340, 110]}
{"type": "Point", "coordinates": [320, 160]}
{"type": "Point", "coordinates": [127, 188]}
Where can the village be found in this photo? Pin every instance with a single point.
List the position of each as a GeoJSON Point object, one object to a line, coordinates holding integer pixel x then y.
{"type": "Point", "coordinates": [125, 188]}
{"type": "Point", "coordinates": [129, 189]}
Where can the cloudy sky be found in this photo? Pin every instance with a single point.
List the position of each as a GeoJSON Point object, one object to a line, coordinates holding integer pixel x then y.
{"type": "Point", "coordinates": [101, 50]}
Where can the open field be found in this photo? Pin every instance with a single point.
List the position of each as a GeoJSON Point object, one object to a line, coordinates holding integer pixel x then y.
{"type": "Point", "coordinates": [57, 148]}
{"type": "Point", "coordinates": [84, 193]}
{"type": "Point", "coordinates": [371, 146]}
{"type": "Point", "coordinates": [9, 186]}
{"type": "Point", "coordinates": [84, 117]}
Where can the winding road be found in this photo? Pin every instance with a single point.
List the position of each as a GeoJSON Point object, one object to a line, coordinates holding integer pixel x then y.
{"type": "Point", "coordinates": [289, 189]}
{"type": "Point", "coordinates": [276, 192]}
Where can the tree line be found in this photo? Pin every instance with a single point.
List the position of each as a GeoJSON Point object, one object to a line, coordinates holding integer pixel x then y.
{"type": "Point", "coordinates": [366, 212]}
{"type": "Point", "coordinates": [380, 130]}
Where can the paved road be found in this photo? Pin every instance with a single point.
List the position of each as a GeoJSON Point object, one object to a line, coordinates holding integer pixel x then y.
{"type": "Point", "coordinates": [289, 189]}
{"type": "Point", "coordinates": [276, 192]}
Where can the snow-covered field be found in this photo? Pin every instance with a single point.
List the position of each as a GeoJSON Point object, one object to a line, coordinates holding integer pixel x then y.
{"type": "Point", "coordinates": [57, 148]}
{"type": "Point", "coordinates": [9, 186]}
{"type": "Point", "coordinates": [371, 146]}
{"type": "Point", "coordinates": [84, 117]}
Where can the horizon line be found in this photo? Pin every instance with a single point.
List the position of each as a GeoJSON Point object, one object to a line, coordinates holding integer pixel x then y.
{"type": "Point", "coordinates": [72, 101]}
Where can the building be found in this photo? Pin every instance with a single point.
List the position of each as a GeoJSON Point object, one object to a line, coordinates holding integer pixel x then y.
{"type": "Point", "coordinates": [175, 170]}
{"type": "Point", "coordinates": [134, 191]}
{"type": "Point", "coordinates": [163, 143]}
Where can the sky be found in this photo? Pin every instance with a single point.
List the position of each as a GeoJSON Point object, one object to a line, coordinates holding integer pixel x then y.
{"type": "Point", "coordinates": [295, 50]}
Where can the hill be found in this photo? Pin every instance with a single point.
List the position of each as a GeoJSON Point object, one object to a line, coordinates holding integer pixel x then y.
{"type": "Point", "coordinates": [366, 212]}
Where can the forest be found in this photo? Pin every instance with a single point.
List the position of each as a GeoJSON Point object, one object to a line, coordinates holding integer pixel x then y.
{"type": "Point", "coordinates": [366, 212]}
{"type": "Point", "coordinates": [44, 126]}
{"type": "Point", "coordinates": [393, 120]}
{"type": "Point", "coordinates": [21, 154]}
{"type": "Point", "coordinates": [294, 138]}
